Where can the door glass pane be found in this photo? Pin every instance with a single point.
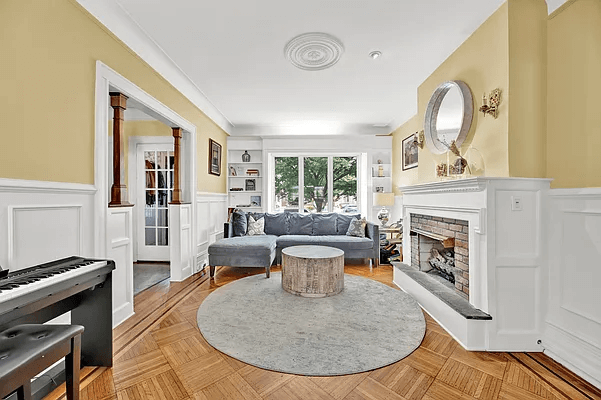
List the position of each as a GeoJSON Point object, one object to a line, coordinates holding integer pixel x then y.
{"type": "Point", "coordinates": [150, 237]}
{"type": "Point", "coordinates": [151, 198]}
{"type": "Point", "coordinates": [150, 216]}
{"type": "Point", "coordinates": [162, 201]}
{"type": "Point", "coordinates": [162, 239]}
{"type": "Point", "coordinates": [286, 184]}
{"type": "Point", "coordinates": [171, 180]}
{"type": "Point", "coordinates": [171, 160]}
{"type": "Point", "coordinates": [162, 158]}
{"type": "Point", "coordinates": [162, 217]}
{"type": "Point", "coordinates": [345, 185]}
{"type": "Point", "coordinates": [162, 179]}
{"type": "Point", "coordinates": [149, 159]}
{"type": "Point", "coordinates": [151, 179]}
{"type": "Point", "coordinates": [316, 182]}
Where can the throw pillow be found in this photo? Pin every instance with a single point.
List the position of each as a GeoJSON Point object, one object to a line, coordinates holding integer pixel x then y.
{"type": "Point", "coordinates": [357, 227]}
{"type": "Point", "coordinates": [256, 227]}
{"type": "Point", "coordinates": [239, 222]}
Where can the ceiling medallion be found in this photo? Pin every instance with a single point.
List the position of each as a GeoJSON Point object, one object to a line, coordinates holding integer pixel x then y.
{"type": "Point", "coordinates": [313, 51]}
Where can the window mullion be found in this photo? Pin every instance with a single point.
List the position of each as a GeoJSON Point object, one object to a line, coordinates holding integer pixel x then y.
{"type": "Point", "coordinates": [301, 184]}
{"type": "Point", "coordinates": [330, 183]}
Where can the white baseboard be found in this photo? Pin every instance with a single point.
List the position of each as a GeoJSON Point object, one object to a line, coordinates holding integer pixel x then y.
{"type": "Point", "coordinates": [122, 313]}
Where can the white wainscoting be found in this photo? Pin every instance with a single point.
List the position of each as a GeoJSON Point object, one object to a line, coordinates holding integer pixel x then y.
{"type": "Point", "coordinates": [120, 249]}
{"type": "Point", "coordinates": [211, 214]}
{"type": "Point", "coordinates": [44, 221]}
{"type": "Point", "coordinates": [180, 239]}
{"type": "Point", "coordinates": [573, 322]}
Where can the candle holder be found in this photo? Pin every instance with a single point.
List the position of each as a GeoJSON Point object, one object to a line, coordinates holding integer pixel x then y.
{"type": "Point", "coordinates": [494, 100]}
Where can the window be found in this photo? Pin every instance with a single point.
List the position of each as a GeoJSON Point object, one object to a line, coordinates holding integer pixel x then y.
{"type": "Point", "coordinates": [321, 184]}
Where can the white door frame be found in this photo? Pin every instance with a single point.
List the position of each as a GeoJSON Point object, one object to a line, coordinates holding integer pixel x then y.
{"type": "Point", "coordinates": [109, 80]}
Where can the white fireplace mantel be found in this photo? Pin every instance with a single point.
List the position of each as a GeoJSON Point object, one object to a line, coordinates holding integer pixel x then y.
{"type": "Point", "coordinates": [506, 265]}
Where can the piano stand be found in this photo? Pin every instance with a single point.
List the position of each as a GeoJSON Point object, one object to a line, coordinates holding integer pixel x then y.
{"type": "Point", "coordinates": [89, 298]}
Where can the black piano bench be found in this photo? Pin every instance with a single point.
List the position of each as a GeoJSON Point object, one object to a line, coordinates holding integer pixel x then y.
{"type": "Point", "coordinates": [26, 350]}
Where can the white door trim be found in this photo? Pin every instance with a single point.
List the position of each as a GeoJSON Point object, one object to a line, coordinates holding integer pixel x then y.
{"type": "Point", "coordinates": [107, 79]}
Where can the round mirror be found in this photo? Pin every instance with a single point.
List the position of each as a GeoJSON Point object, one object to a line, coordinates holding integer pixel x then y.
{"type": "Point", "coordinates": [448, 116]}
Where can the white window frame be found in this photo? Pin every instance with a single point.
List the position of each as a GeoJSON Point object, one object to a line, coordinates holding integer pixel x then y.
{"type": "Point", "coordinates": [301, 176]}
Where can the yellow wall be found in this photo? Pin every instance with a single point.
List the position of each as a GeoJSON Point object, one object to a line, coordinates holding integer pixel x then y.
{"type": "Point", "coordinates": [482, 62]}
{"type": "Point", "coordinates": [400, 177]}
{"type": "Point", "coordinates": [139, 128]}
{"type": "Point", "coordinates": [527, 92]}
{"type": "Point", "coordinates": [574, 76]}
{"type": "Point", "coordinates": [47, 75]}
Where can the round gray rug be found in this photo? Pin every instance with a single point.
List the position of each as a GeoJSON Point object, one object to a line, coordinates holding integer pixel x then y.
{"type": "Point", "coordinates": [367, 326]}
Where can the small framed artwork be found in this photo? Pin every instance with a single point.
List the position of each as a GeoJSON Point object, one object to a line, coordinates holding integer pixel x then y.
{"type": "Point", "coordinates": [214, 157]}
{"type": "Point", "coordinates": [250, 185]}
{"type": "Point", "coordinates": [410, 153]}
{"type": "Point", "coordinates": [255, 201]}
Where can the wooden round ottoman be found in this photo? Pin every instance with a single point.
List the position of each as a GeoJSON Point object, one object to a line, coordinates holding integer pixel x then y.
{"type": "Point", "coordinates": [312, 271]}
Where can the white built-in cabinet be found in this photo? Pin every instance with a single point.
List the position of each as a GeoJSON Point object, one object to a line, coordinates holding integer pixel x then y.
{"type": "Point", "coordinates": [246, 180]}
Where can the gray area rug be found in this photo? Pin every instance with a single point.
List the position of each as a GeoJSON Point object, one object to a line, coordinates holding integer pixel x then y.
{"type": "Point", "coordinates": [367, 326]}
{"type": "Point", "coordinates": [149, 274]}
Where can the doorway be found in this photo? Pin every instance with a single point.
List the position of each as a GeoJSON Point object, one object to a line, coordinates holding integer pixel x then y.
{"type": "Point", "coordinates": [154, 170]}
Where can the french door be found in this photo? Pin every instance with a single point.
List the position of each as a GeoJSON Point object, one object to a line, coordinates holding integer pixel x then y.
{"type": "Point", "coordinates": [154, 192]}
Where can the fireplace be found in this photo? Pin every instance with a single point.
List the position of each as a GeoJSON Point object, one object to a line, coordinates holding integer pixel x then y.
{"type": "Point", "coordinates": [439, 246]}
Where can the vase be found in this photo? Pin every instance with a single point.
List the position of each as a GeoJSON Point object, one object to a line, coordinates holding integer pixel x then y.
{"type": "Point", "coordinates": [245, 156]}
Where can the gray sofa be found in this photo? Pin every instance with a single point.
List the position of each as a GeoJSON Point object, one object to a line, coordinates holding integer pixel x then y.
{"type": "Point", "coordinates": [290, 229]}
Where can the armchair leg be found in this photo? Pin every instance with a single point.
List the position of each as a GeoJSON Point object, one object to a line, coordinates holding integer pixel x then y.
{"type": "Point", "coordinates": [212, 271]}
{"type": "Point", "coordinates": [267, 271]}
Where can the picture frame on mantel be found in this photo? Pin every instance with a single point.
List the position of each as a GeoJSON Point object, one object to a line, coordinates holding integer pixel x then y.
{"type": "Point", "coordinates": [410, 153]}
{"type": "Point", "coordinates": [214, 158]}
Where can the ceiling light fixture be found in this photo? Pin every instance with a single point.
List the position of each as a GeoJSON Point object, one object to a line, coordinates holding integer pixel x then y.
{"type": "Point", "coordinates": [375, 54]}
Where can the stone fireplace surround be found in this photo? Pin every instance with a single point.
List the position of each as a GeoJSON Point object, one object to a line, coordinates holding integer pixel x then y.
{"type": "Point", "coordinates": [505, 265]}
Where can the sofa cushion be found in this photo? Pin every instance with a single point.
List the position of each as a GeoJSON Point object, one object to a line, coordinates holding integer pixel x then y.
{"type": "Point", "coordinates": [343, 221]}
{"type": "Point", "coordinates": [276, 224]}
{"type": "Point", "coordinates": [345, 243]}
{"type": "Point", "coordinates": [262, 245]}
{"type": "Point", "coordinates": [324, 224]}
{"type": "Point", "coordinates": [300, 224]}
{"type": "Point", "coordinates": [239, 222]}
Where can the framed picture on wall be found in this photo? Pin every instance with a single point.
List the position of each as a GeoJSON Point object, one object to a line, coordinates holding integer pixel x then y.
{"type": "Point", "coordinates": [410, 153]}
{"type": "Point", "coordinates": [214, 157]}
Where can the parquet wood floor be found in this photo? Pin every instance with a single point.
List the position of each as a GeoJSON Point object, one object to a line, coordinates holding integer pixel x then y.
{"type": "Point", "coordinates": [161, 355]}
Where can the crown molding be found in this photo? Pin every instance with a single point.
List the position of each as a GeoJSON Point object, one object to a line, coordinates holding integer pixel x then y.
{"type": "Point", "coordinates": [112, 15]}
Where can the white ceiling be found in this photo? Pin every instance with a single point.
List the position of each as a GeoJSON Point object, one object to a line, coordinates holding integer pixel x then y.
{"type": "Point", "coordinates": [233, 51]}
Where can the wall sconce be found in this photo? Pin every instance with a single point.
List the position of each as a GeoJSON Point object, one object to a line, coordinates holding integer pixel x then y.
{"type": "Point", "coordinates": [419, 139]}
{"type": "Point", "coordinates": [494, 99]}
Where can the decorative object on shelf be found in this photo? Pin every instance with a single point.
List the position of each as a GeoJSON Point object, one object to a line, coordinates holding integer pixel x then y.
{"type": "Point", "coordinates": [410, 153]}
{"type": "Point", "coordinates": [255, 201]}
{"type": "Point", "coordinates": [313, 51]}
{"type": "Point", "coordinates": [379, 161]}
{"type": "Point", "coordinates": [252, 172]}
{"type": "Point", "coordinates": [419, 139]}
{"type": "Point", "coordinates": [380, 171]}
{"type": "Point", "coordinates": [239, 171]}
{"type": "Point", "coordinates": [379, 189]}
{"type": "Point", "coordinates": [494, 100]}
{"type": "Point", "coordinates": [441, 170]}
{"type": "Point", "coordinates": [214, 158]}
{"type": "Point", "coordinates": [460, 164]}
{"type": "Point", "coordinates": [250, 185]}
{"type": "Point", "coordinates": [383, 200]}
{"type": "Point", "coordinates": [448, 116]}
{"type": "Point", "coordinates": [233, 171]}
{"type": "Point", "coordinates": [236, 189]}
{"type": "Point", "coordinates": [245, 156]}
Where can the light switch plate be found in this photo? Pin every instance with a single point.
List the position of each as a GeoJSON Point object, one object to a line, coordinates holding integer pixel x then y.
{"type": "Point", "coordinates": [516, 203]}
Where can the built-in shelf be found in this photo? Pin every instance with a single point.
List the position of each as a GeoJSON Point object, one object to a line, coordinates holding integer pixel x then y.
{"type": "Point", "coordinates": [245, 191]}
{"type": "Point", "coordinates": [245, 176]}
{"type": "Point", "coordinates": [236, 148]}
{"type": "Point", "coordinates": [246, 163]}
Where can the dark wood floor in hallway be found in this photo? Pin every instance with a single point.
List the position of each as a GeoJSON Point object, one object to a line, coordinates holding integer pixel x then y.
{"type": "Point", "coordinates": [160, 354]}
